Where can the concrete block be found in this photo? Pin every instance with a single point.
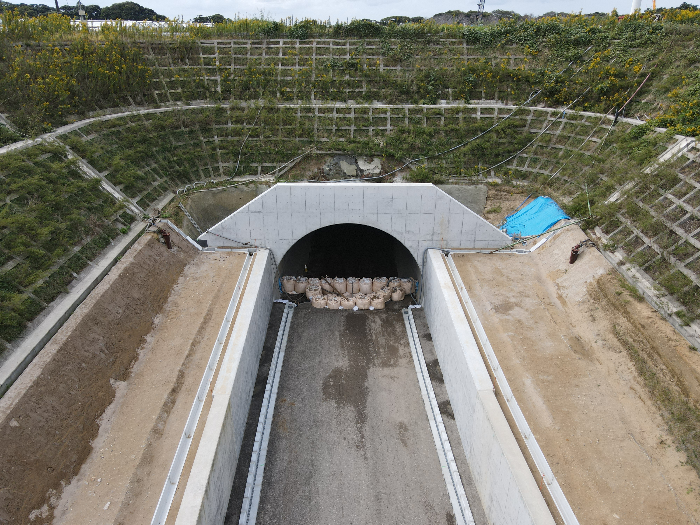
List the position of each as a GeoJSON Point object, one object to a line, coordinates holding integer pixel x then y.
{"type": "Point", "coordinates": [384, 201]}
{"type": "Point", "coordinates": [284, 225]}
{"type": "Point", "coordinates": [283, 194]}
{"type": "Point", "coordinates": [355, 198]}
{"type": "Point", "coordinates": [426, 228]}
{"type": "Point", "coordinates": [384, 221]}
{"type": "Point", "coordinates": [413, 227]}
{"type": "Point", "coordinates": [398, 225]}
{"type": "Point", "coordinates": [326, 199]}
{"type": "Point", "coordinates": [297, 196]}
{"type": "Point", "coordinates": [257, 226]}
{"type": "Point", "coordinates": [312, 221]}
{"type": "Point", "coordinates": [399, 199]}
{"type": "Point", "coordinates": [371, 200]}
{"type": "Point", "coordinates": [298, 225]}
{"type": "Point", "coordinates": [342, 200]}
{"type": "Point", "coordinates": [313, 199]}
{"type": "Point", "coordinates": [326, 218]}
{"type": "Point", "coordinates": [413, 202]}
{"type": "Point", "coordinates": [271, 230]}
{"type": "Point", "coordinates": [428, 200]}
{"type": "Point", "coordinates": [269, 203]}
{"type": "Point", "coordinates": [256, 205]}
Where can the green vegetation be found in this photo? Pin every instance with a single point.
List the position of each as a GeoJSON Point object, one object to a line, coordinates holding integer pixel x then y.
{"type": "Point", "coordinates": [389, 62]}
{"type": "Point", "coordinates": [263, 76]}
{"type": "Point", "coordinates": [678, 411]}
{"type": "Point", "coordinates": [53, 221]}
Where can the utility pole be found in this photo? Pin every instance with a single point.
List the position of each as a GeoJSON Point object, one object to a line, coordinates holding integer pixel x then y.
{"type": "Point", "coordinates": [58, 9]}
{"type": "Point", "coordinates": [481, 11]}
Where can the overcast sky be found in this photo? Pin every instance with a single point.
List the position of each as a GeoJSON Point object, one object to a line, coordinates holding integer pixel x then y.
{"type": "Point", "coordinates": [373, 9]}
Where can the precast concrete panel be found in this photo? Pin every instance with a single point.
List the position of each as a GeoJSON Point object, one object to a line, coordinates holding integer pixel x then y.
{"type": "Point", "coordinates": [506, 486]}
{"type": "Point", "coordinates": [418, 215]}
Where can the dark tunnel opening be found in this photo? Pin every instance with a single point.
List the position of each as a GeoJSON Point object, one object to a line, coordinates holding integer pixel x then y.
{"type": "Point", "coordinates": [345, 250]}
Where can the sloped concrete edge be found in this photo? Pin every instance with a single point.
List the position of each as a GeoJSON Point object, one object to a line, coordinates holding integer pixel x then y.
{"type": "Point", "coordinates": [209, 485]}
{"type": "Point", "coordinates": [506, 486]}
{"type": "Point", "coordinates": [25, 353]}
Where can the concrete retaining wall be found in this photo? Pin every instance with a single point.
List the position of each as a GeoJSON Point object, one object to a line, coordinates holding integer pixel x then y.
{"type": "Point", "coordinates": [209, 486]}
{"type": "Point", "coordinates": [507, 488]}
{"type": "Point", "coordinates": [420, 216]}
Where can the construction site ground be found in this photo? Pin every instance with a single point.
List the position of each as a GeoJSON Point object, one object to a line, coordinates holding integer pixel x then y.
{"type": "Point", "coordinates": [350, 439]}
{"type": "Point", "coordinates": [90, 430]}
{"type": "Point", "coordinates": [566, 337]}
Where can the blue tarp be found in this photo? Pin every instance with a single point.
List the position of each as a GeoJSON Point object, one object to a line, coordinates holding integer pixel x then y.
{"type": "Point", "coordinates": [535, 218]}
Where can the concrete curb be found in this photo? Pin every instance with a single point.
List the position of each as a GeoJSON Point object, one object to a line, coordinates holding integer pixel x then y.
{"type": "Point", "coordinates": [208, 488]}
{"type": "Point", "coordinates": [23, 355]}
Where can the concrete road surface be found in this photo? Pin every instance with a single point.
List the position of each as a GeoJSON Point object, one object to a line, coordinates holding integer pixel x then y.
{"type": "Point", "coordinates": [350, 440]}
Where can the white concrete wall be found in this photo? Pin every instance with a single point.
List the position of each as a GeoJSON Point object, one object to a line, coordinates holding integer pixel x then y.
{"type": "Point", "coordinates": [421, 216]}
{"type": "Point", "coordinates": [209, 486]}
{"type": "Point", "coordinates": [507, 488]}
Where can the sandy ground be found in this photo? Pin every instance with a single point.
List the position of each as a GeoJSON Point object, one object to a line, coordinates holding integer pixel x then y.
{"type": "Point", "coordinates": [350, 440]}
{"type": "Point", "coordinates": [559, 333]}
{"type": "Point", "coordinates": [501, 201]}
{"type": "Point", "coordinates": [51, 415]}
{"type": "Point", "coordinates": [122, 479]}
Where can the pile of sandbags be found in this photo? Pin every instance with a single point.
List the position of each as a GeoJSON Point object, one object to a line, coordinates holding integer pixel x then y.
{"type": "Point", "coordinates": [351, 292]}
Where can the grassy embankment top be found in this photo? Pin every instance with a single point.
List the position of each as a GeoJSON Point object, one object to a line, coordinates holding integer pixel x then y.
{"type": "Point", "coordinates": [53, 72]}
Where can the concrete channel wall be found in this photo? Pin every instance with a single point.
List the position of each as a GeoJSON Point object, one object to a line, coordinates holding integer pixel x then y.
{"type": "Point", "coordinates": [507, 488]}
{"type": "Point", "coordinates": [209, 486]}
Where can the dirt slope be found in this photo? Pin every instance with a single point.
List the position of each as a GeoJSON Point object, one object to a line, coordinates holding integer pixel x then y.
{"type": "Point", "coordinates": [51, 414]}
{"type": "Point", "coordinates": [562, 335]}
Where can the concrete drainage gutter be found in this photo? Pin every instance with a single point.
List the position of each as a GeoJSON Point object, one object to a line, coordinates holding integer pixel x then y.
{"type": "Point", "coordinates": [25, 353]}
{"type": "Point", "coordinates": [453, 481]}
{"type": "Point", "coordinates": [253, 488]}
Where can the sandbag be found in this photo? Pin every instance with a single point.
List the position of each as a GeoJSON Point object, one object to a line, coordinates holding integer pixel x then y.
{"type": "Point", "coordinates": [326, 285]}
{"type": "Point", "coordinates": [301, 284]}
{"type": "Point", "coordinates": [314, 280]}
{"type": "Point", "coordinates": [397, 293]}
{"type": "Point", "coordinates": [313, 289]}
{"type": "Point", "coordinates": [366, 285]}
{"type": "Point", "coordinates": [340, 285]}
{"type": "Point", "coordinates": [347, 301]}
{"type": "Point", "coordinates": [394, 282]}
{"type": "Point", "coordinates": [376, 301]}
{"type": "Point", "coordinates": [378, 283]}
{"type": "Point", "coordinates": [333, 301]}
{"type": "Point", "coordinates": [353, 285]}
{"type": "Point", "coordinates": [408, 285]}
{"type": "Point", "coordinates": [318, 301]}
{"type": "Point", "coordinates": [362, 301]}
{"type": "Point", "coordinates": [288, 284]}
{"type": "Point", "coordinates": [385, 293]}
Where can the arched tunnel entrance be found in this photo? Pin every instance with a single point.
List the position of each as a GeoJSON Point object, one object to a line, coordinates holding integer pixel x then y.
{"type": "Point", "coordinates": [345, 250]}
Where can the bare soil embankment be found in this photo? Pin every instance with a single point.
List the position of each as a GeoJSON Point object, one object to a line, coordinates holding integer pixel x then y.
{"type": "Point", "coordinates": [50, 417]}
{"type": "Point", "coordinates": [569, 339]}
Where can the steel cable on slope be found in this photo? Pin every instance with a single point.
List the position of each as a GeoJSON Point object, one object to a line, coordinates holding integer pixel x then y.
{"type": "Point", "coordinates": [533, 95]}
{"type": "Point", "coordinates": [563, 111]}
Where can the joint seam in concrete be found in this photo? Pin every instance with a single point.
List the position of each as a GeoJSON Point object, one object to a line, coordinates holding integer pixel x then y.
{"type": "Point", "coordinates": [166, 497]}
{"type": "Point", "coordinates": [453, 480]}
{"type": "Point", "coordinates": [536, 453]}
{"type": "Point", "coordinates": [253, 489]}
